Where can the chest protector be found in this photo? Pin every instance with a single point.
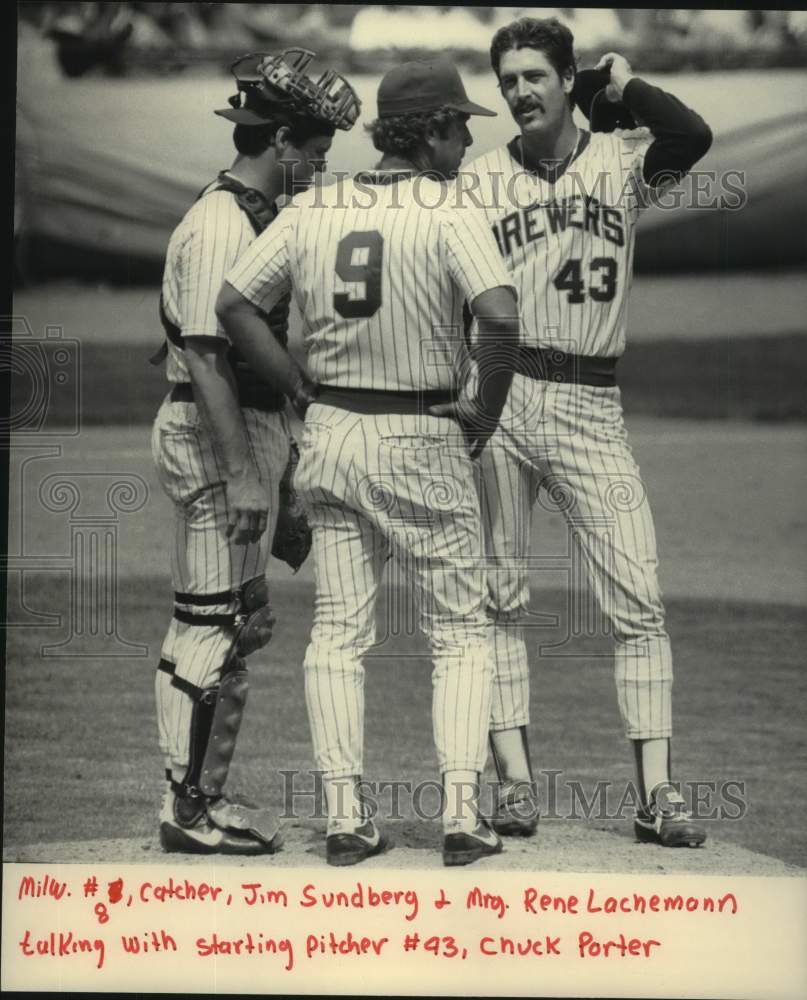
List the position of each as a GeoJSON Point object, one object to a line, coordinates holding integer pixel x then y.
{"type": "Point", "coordinates": [260, 213]}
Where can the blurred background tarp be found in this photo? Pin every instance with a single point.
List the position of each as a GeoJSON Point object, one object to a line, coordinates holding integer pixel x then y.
{"type": "Point", "coordinates": [115, 132]}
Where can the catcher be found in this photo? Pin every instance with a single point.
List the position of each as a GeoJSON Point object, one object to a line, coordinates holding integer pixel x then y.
{"type": "Point", "coordinates": [223, 452]}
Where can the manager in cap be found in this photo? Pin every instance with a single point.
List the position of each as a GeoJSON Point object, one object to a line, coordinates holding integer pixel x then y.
{"type": "Point", "coordinates": [423, 111]}
{"type": "Point", "coordinates": [391, 275]}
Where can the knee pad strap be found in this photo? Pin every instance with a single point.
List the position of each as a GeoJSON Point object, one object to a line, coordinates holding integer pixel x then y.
{"type": "Point", "coordinates": [252, 620]}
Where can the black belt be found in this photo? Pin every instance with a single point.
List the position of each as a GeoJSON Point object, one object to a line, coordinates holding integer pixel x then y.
{"type": "Point", "coordinates": [249, 398]}
{"type": "Point", "coordinates": [551, 365]}
{"type": "Point", "coordinates": [378, 401]}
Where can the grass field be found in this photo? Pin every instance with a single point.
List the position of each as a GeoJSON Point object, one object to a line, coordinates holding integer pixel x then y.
{"type": "Point", "coordinates": [728, 348]}
{"type": "Point", "coordinates": [727, 497]}
{"type": "Point", "coordinates": [81, 758]}
{"type": "Point", "coordinates": [82, 733]}
{"type": "Point", "coordinates": [752, 378]}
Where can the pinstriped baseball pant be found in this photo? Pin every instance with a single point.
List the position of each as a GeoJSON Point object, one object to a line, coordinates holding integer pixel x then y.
{"type": "Point", "coordinates": [375, 485]}
{"type": "Point", "coordinates": [566, 447]}
{"type": "Point", "coordinates": [203, 559]}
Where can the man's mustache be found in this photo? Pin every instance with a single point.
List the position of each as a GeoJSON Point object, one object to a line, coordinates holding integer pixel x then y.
{"type": "Point", "coordinates": [525, 106]}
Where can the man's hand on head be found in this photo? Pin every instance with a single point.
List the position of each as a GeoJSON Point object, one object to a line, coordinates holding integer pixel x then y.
{"type": "Point", "coordinates": [619, 68]}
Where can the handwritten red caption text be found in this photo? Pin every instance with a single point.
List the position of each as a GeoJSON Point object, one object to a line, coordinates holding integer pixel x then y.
{"type": "Point", "coordinates": [106, 897]}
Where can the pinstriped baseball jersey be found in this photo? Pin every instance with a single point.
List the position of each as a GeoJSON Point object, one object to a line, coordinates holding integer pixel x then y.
{"type": "Point", "coordinates": [204, 561]}
{"type": "Point", "coordinates": [212, 235]}
{"type": "Point", "coordinates": [569, 244]}
{"type": "Point", "coordinates": [379, 277]}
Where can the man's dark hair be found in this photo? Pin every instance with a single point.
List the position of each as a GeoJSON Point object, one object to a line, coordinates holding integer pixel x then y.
{"type": "Point", "coordinates": [547, 35]}
{"type": "Point", "coordinates": [404, 135]}
{"type": "Point", "coordinates": [252, 140]}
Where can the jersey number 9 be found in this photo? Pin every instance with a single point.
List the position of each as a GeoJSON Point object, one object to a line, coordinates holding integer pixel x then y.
{"type": "Point", "coordinates": [358, 261]}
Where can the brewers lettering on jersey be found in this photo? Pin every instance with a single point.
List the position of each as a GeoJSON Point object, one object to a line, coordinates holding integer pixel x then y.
{"type": "Point", "coordinates": [221, 445]}
{"type": "Point", "coordinates": [563, 203]}
{"type": "Point", "coordinates": [380, 281]}
{"type": "Point", "coordinates": [575, 235]}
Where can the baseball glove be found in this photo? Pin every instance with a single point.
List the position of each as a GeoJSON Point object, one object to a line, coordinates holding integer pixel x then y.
{"type": "Point", "coordinates": [292, 541]}
{"type": "Point", "coordinates": [589, 95]}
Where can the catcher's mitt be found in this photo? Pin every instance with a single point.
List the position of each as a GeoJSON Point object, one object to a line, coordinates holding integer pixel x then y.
{"type": "Point", "coordinates": [589, 95]}
{"type": "Point", "coordinates": [292, 541]}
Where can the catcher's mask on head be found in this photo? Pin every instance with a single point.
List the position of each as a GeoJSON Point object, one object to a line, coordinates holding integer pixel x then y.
{"type": "Point", "coordinates": [589, 95]}
{"type": "Point", "coordinates": [271, 83]}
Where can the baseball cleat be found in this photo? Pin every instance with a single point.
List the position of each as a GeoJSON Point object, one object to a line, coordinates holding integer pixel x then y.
{"type": "Point", "coordinates": [666, 821]}
{"type": "Point", "coordinates": [462, 848]}
{"type": "Point", "coordinates": [351, 847]}
{"type": "Point", "coordinates": [186, 827]}
{"type": "Point", "coordinates": [516, 810]}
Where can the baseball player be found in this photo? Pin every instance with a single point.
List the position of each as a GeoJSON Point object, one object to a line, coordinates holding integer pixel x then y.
{"type": "Point", "coordinates": [563, 203]}
{"type": "Point", "coordinates": [221, 445]}
{"type": "Point", "coordinates": [380, 267]}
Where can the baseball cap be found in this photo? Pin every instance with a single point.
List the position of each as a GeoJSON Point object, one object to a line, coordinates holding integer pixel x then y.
{"type": "Point", "coordinates": [248, 106]}
{"type": "Point", "coordinates": [425, 85]}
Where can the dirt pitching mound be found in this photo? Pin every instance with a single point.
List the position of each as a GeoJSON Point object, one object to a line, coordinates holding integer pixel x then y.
{"type": "Point", "coordinates": [559, 846]}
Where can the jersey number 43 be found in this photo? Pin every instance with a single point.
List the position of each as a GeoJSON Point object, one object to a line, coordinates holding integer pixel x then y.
{"type": "Point", "coordinates": [358, 261]}
{"type": "Point", "coordinates": [601, 287]}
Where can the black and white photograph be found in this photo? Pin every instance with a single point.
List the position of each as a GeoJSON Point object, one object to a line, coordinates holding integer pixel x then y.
{"type": "Point", "coordinates": [406, 448]}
